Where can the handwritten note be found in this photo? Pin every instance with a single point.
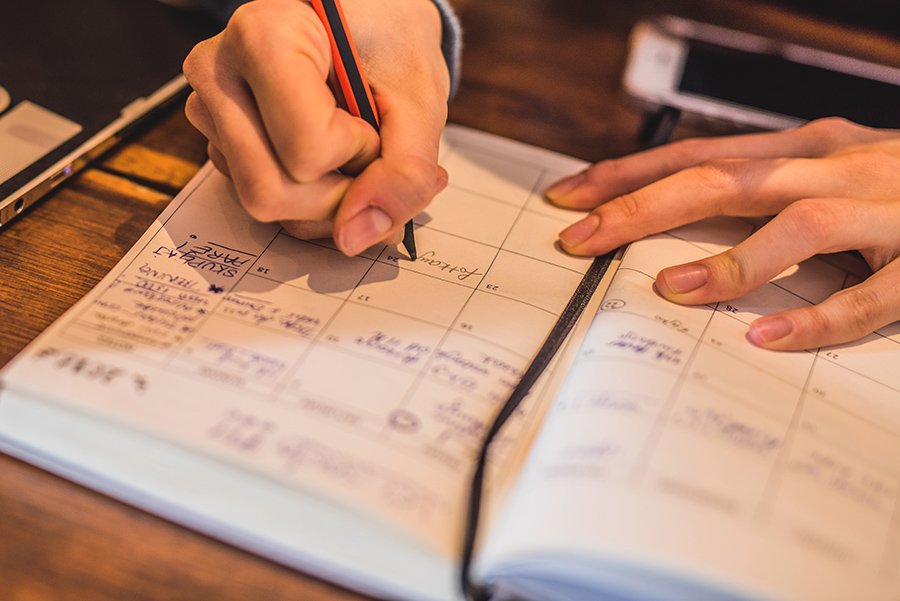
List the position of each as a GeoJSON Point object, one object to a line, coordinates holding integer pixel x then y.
{"type": "Point", "coordinates": [369, 378]}
{"type": "Point", "coordinates": [674, 437]}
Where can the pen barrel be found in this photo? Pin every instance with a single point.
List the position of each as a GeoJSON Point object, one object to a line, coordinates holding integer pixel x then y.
{"type": "Point", "coordinates": [353, 83]}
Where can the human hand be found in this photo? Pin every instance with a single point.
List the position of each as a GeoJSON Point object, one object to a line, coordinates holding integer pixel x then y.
{"type": "Point", "coordinates": [831, 185]}
{"type": "Point", "coordinates": [262, 98]}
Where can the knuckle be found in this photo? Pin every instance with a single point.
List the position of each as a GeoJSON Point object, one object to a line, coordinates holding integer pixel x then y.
{"type": "Point", "coordinates": [830, 126]}
{"type": "Point", "coordinates": [861, 167]}
{"type": "Point", "coordinates": [831, 132]}
{"type": "Point", "coordinates": [415, 178]}
{"type": "Point", "coordinates": [732, 272]}
{"type": "Point", "coordinates": [262, 202]}
{"type": "Point", "coordinates": [190, 65]}
{"type": "Point", "coordinates": [716, 175]}
{"type": "Point", "coordinates": [813, 221]}
{"type": "Point", "coordinates": [259, 30]}
{"type": "Point", "coordinates": [303, 162]}
{"type": "Point", "coordinates": [880, 256]}
{"type": "Point", "coordinates": [193, 108]}
{"type": "Point", "coordinates": [826, 128]}
{"type": "Point", "coordinates": [243, 27]}
{"type": "Point", "coordinates": [862, 309]}
{"type": "Point", "coordinates": [196, 65]}
{"type": "Point", "coordinates": [816, 323]}
{"type": "Point", "coordinates": [626, 207]}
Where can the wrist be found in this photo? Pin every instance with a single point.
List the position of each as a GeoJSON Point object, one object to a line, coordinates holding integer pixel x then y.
{"type": "Point", "coordinates": [451, 41]}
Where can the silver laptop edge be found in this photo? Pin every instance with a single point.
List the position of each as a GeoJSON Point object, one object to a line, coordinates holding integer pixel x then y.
{"type": "Point", "coordinates": [43, 183]}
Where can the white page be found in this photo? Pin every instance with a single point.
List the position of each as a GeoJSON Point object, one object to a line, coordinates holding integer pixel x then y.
{"type": "Point", "coordinates": [369, 380]}
{"type": "Point", "coordinates": [678, 456]}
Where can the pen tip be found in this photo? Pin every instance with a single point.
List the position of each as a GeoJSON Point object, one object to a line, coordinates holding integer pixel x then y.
{"type": "Point", "coordinates": [409, 241]}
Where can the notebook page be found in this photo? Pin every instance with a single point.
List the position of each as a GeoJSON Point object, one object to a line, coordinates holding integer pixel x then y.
{"type": "Point", "coordinates": [368, 379]}
{"type": "Point", "coordinates": [676, 448]}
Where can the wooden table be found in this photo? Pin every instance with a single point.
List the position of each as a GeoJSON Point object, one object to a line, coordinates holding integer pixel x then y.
{"type": "Point", "coordinates": [543, 71]}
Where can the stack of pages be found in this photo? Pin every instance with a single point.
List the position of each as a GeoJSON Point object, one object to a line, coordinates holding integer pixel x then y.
{"type": "Point", "coordinates": [325, 411]}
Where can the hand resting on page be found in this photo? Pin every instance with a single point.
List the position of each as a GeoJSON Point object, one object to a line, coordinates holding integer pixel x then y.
{"type": "Point", "coordinates": [831, 186]}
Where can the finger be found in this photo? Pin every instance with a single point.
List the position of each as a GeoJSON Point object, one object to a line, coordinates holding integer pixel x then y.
{"type": "Point", "coordinates": [233, 125]}
{"type": "Point", "coordinates": [316, 201]}
{"type": "Point", "coordinates": [388, 199]}
{"type": "Point", "coordinates": [218, 159]}
{"type": "Point", "coordinates": [738, 187]}
{"type": "Point", "coordinates": [411, 84]}
{"type": "Point", "coordinates": [843, 317]}
{"type": "Point", "coordinates": [395, 237]}
{"type": "Point", "coordinates": [615, 177]}
{"type": "Point", "coordinates": [803, 229]}
{"type": "Point", "coordinates": [310, 134]}
{"type": "Point", "coordinates": [308, 229]}
{"type": "Point", "coordinates": [266, 191]}
{"type": "Point", "coordinates": [199, 116]}
{"type": "Point", "coordinates": [401, 183]}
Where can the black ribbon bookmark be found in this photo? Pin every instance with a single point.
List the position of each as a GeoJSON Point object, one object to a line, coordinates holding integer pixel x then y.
{"type": "Point", "coordinates": [564, 325]}
{"type": "Point", "coordinates": [657, 129]}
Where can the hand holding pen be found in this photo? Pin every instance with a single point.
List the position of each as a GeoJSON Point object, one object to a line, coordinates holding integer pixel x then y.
{"type": "Point", "coordinates": [353, 86]}
{"type": "Point", "coordinates": [262, 98]}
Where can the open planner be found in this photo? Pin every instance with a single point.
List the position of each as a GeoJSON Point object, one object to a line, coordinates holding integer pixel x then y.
{"type": "Point", "coordinates": [325, 411]}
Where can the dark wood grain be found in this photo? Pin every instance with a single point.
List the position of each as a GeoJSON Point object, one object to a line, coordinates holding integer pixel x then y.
{"type": "Point", "coordinates": [545, 72]}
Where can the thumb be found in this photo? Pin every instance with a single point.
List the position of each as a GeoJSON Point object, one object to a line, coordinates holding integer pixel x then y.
{"type": "Point", "coordinates": [402, 181]}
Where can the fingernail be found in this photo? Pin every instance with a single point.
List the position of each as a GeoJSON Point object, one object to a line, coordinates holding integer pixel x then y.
{"type": "Point", "coordinates": [442, 180]}
{"type": "Point", "coordinates": [364, 230]}
{"type": "Point", "coordinates": [580, 231]}
{"type": "Point", "coordinates": [682, 279]}
{"type": "Point", "coordinates": [565, 186]}
{"type": "Point", "coordinates": [769, 329]}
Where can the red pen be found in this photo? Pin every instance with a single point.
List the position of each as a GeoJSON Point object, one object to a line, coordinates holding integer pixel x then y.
{"type": "Point", "coordinates": [357, 95]}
